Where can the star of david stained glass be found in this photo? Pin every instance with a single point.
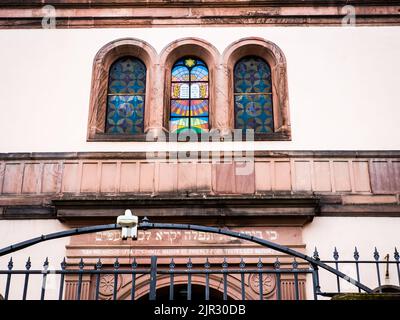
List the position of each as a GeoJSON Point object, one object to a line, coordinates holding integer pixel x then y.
{"type": "Point", "coordinates": [189, 96]}
{"type": "Point", "coordinates": [126, 96]}
{"type": "Point", "coordinates": [253, 95]}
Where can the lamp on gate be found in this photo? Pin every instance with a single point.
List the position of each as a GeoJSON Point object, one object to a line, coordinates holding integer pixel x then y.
{"type": "Point", "coordinates": [129, 223]}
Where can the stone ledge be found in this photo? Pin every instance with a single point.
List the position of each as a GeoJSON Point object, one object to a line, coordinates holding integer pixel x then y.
{"type": "Point", "coordinates": [287, 211]}
{"type": "Point", "coordinates": [367, 296]}
{"type": "Point", "coordinates": [373, 154]}
{"type": "Point", "coordinates": [271, 206]}
{"type": "Point", "coordinates": [369, 199]}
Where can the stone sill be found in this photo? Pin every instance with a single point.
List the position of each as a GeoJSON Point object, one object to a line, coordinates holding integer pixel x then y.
{"type": "Point", "coordinates": [103, 137]}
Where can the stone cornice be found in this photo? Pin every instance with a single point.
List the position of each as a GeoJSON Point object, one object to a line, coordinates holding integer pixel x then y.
{"type": "Point", "coordinates": [191, 3]}
{"type": "Point", "coordinates": [122, 13]}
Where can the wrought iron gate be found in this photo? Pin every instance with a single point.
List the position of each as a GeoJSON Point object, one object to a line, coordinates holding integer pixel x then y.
{"type": "Point", "coordinates": [301, 267]}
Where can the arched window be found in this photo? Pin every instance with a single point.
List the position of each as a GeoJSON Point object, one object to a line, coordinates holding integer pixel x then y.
{"type": "Point", "coordinates": [126, 96]}
{"type": "Point", "coordinates": [189, 96]}
{"type": "Point", "coordinates": [253, 95]}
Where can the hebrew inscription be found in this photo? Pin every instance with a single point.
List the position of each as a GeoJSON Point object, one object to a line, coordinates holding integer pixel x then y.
{"type": "Point", "coordinates": [188, 236]}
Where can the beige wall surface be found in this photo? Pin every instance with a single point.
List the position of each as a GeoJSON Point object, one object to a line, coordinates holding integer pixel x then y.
{"type": "Point", "coordinates": [343, 86]}
{"type": "Point", "coordinates": [14, 231]}
{"type": "Point", "coordinates": [345, 234]}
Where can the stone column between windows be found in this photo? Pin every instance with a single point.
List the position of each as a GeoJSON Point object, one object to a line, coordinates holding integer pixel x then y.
{"type": "Point", "coordinates": [220, 115]}
{"type": "Point", "coordinates": [156, 104]}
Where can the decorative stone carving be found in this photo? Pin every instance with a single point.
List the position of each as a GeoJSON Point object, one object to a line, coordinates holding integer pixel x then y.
{"type": "Point", "coordinates": [268, 283]}
{"type": "Point", "coordinates": [106, 285]}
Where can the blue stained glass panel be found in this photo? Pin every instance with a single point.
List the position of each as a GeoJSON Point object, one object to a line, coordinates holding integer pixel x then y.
{"type": "Point", "coordinates": [252, 75]}
{"type": "Point", "coordinates": [180, 73]}
{"type": "Point", "coordinates": [127, 75]}
{"type": "Point", "coordinates": [199, 73]}
{"type": "Point", "coordinates": [254, 112]}
{"type": "Point", "coordinates": [126, 96]}
{"type": "Point", "coordinates": [125, 114]}
{"type": "Point", "coordinates": [253, 95]}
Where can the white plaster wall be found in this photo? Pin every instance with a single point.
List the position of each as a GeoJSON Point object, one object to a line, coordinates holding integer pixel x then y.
{"type": "Point", "coordinates": [343, 85]}
{"type": "Point", "coordinates": [14, 231]}
{"type": "Point", "coordinates": [346, 233]}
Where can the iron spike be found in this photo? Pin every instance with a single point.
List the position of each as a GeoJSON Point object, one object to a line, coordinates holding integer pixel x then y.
{"type": "Point", "coordinates": [376, 254]}
{"type": "Point", "coordinates": [224, 263]}
{"type": "Point", "coordinates": [335, 254]}
{"type": "Point", "coordinates": [134, 263]}
{"type": "Point", "coordinates": [172, 264]}
{"type": "Point", "coordinates": [207, 264]}
{"type": "Point", "coordinates": [98, 264]}
{"type": "Point", "coordinates": [316, 254]}
{"type": "Point", "coordinates": [189, 264]}
{"type": "Point", "coordinates": [28, 263]}
{"type": "Point", "coordinates": [10, 264]}
{"type": "Point", "coordinates": [81, 264]}
{"type": "Point", "coordinates": [259, 263]}
{"type": "Point", "coordinates": [277, 264]}
{"type": "Point", "coordinates": [46, 263]}
{"type": "Point", "coordinates": [116, 263]}
{"type": "Point", "coordinates": [356, 254]}
{"type": "Point", "coordinates": [242, 264]}
{"type": "Point", "coordinates": [63, 264]}
{"type": "Point", "coordinates": [295, 264]}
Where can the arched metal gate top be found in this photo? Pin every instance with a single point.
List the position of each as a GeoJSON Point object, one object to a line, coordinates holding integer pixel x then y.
{"type": "Point", "coordinates": [145, 224]}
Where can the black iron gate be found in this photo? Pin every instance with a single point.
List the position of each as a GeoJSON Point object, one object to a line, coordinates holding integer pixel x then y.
{"type": "Point", "coordinates": [301, 267]}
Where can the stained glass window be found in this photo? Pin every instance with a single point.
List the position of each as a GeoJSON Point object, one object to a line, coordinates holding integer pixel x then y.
{"type": "Point", "coordinates": [253, 95]}
{"type": "Point", "coordinates": [126, 96]}
{"type": "Point", "coordinates": [189, 96]}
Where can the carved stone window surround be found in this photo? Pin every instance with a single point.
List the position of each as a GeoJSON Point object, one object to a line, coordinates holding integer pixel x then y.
{"type": "Point", "coordinates": [158, 79]}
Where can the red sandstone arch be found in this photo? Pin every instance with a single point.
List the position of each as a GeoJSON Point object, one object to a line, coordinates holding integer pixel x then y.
{"type": "Point", "coordinates": [101, 65]}
{"type": "Point", "coordinates": [215, 282]}
{"type": "Point", "coordinates": [271, 53]}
